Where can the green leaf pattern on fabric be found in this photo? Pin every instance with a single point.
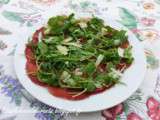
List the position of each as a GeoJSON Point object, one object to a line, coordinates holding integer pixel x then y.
{"type": "Point", "coordinates": [127, 18]}
{"type": "Point", "coordinates": [152, 61]}
{"type": "Point", "coordinates": [157, 1]}
{"type": "Point", "coordinates": [13, 16]}
{"type": "Point", "coordinates": [4, 1]}
{"type": "Point", "coordinates": [23, 18]}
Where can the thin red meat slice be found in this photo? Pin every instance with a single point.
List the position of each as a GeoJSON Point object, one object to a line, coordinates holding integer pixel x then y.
{"type": "Point", "coordinates": [36, 35]}
{"type": "Point", "coordinates": [64, 93]}
{"type": "Point", "coordinates": [31, 69]}
{"type": "Point", "coordinates": [29, 54]}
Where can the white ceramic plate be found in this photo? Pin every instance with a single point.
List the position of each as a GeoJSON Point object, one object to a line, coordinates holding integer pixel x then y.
{"type": "Point", "coordinates": [115, 95]}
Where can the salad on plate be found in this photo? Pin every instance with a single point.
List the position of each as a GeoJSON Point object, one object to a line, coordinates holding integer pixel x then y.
{"type": "Point", "coordinates": [76, 58]}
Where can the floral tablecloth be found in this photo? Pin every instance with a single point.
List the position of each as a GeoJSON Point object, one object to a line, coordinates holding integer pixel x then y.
{"type": "Point", "coordinates": [142, 17]}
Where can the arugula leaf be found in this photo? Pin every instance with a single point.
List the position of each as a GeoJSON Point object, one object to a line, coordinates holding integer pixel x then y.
{"type": "Point", "coordinates": [90, 68]}
{"type": "Point", "coordinates": [128, 55]}
{"type": "Point", "coordinates": [90, 86]}
{"type": "Point", "coordinates": [59, 24]}
{"type": "Point", "coordinates": [42, 47]}
{"type": "Point", "coordinates": [110, 66]}
{"type": "Point", "coordinates": [56, 24]}
{"type": "Point", "coordinates": [53, 40]}
{"type": "Point", "coordinates": [49, 78]}
{"type": "Point", "coordinates": [111, 54]}
{"type": "Point", "coordinates": [95, 24]}
{"type": "Point", "coordinates": [128, 52]}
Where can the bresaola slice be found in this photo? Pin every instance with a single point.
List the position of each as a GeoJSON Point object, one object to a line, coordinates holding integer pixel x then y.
{"type": "Point", "coordinates": [31, 69]}
{"type": "Point", "coordinates": [29, 54]}
{"type": "Point", "coordinates": [67, 94]}
{"type": "Point", "coordinates": [64, 93]}
{"type": "Point", "coordinates": [36, 35]}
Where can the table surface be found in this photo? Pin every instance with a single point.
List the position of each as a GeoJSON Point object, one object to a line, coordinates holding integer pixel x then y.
{"type": "Point", "coordinates": [142, 17]}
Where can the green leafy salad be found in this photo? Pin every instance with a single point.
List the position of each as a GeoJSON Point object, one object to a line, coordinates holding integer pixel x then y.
{"type": "Point", "coordinates": [79, 54]}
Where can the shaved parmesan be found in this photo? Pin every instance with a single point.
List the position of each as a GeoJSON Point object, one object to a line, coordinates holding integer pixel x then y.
{"type": "Point", "coordinates": [82, 24]}
{"type": "Point", "coordinates": [67, 39]}
{"type": "Point", "coordinates": [40, 37]}
{"type": "Point", "coordinates": [99, 60]}
{"type": "Point", "coordinates": [62, 49]}
{"type": "Point", "coordinates": [104, 31]}
{"type": "Point", "coordinates": [121, 52]}
{"type": "Point", "coordinates": [115, 73]}
{"type": "Point", "coordinates": [65, 75]}
{"type": "Point", "coordinates": [78, 71]}
{"type": "Point", "coordinates": [74, 44]}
